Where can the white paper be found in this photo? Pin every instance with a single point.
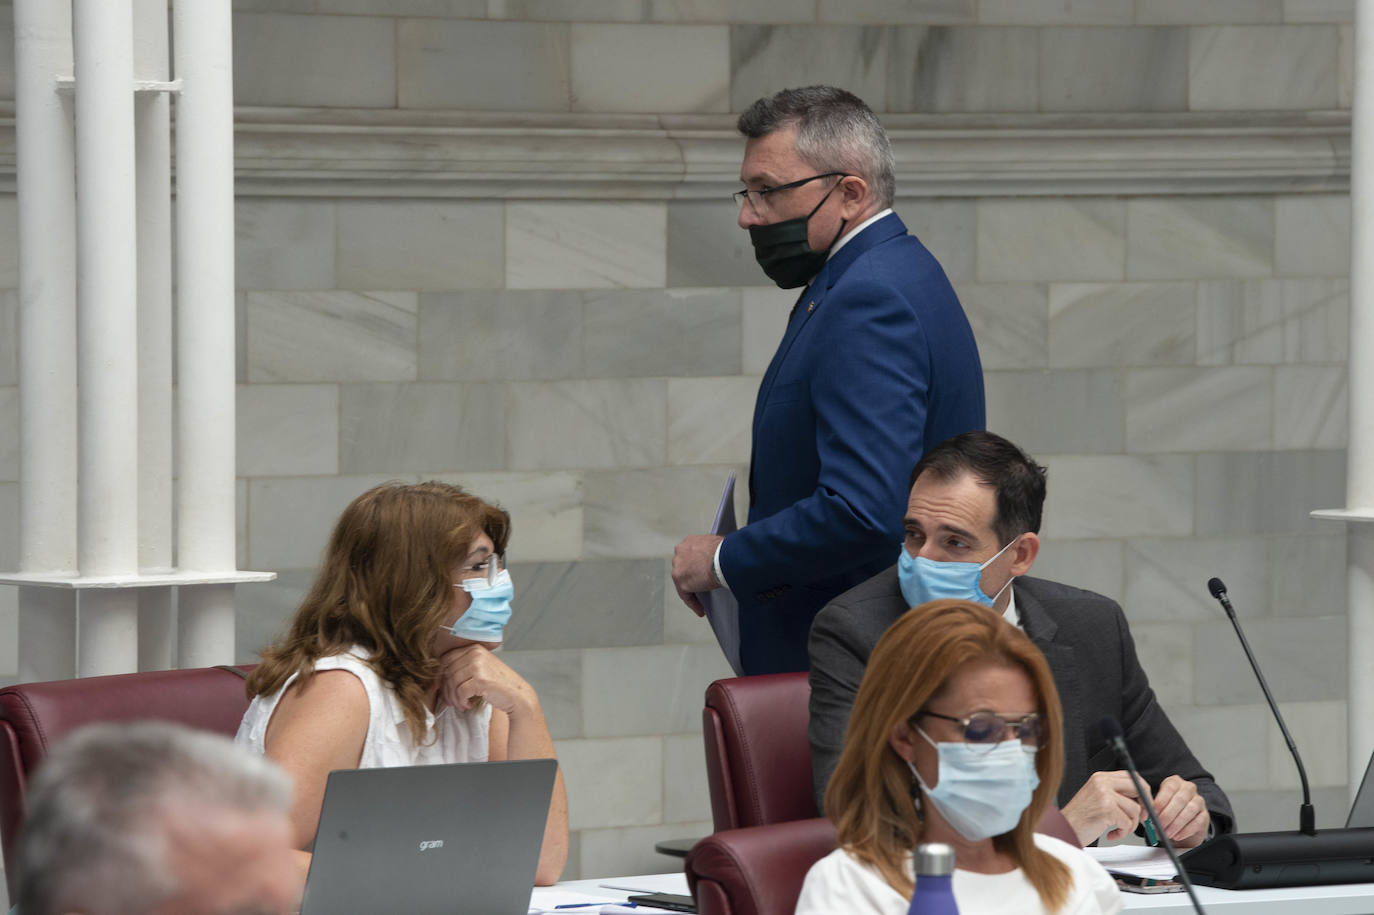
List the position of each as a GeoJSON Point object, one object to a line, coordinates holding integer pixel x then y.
{"type": "Point", "coordinates": [1140, 860]}
{"type": "Point", "coordinates": [722, 610]}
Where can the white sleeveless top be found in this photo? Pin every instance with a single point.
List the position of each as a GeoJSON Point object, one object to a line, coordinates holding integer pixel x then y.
{"type": "Point", "coordinates": [452, 736]}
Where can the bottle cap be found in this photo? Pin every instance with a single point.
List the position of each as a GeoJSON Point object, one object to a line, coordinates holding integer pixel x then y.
{"type": "Point", "coordinates": [934, 859]}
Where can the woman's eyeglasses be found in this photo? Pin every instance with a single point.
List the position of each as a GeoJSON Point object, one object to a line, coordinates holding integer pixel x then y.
{"type": "Point", "coordinates": [985, 729]}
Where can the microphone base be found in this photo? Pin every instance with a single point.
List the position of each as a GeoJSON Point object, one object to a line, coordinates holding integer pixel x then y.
{"type": "Point", "coordinates": [1256, 860]}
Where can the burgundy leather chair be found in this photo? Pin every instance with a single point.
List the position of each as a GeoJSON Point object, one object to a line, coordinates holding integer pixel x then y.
{"type": "Point", "coordinates": [35, 716]}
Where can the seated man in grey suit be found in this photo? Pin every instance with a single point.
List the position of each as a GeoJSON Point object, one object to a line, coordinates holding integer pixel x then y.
{"type": "Point", "coordinates": [971, 533]}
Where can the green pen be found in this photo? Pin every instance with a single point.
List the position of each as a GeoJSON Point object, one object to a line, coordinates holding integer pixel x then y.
{"type": "Point", "coordinates": [1151, 837]}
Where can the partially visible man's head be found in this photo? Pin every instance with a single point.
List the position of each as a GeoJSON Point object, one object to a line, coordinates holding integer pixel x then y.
{"type": "Point", "coordinates": [836, 132]}
{"type": "Point", "coordinates": [152, 818]}
{"type": "Point", "coordinates": [1016, 479]}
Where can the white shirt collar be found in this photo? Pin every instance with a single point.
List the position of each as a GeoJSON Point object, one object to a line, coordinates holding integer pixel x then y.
{"type": "Point", "coordinates": [1010, 614]}
{"type": "Point", "coordinates": [844, 239]}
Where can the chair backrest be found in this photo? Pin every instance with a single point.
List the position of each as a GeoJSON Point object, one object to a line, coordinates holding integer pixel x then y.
{"type": "Point", "coordinates": [35, 716]}
{"type": "Point", "coordinates": [758, 757]}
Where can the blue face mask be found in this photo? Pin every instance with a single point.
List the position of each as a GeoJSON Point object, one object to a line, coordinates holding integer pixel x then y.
{"type": "Point", "coordinates": [923, 580]}
{"type": "Point", "coordinates": [982, 791]}
{"type": "Point", "coordinates": [485, 620]}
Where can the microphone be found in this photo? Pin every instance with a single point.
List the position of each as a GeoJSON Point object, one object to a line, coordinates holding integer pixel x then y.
{"type": "Point", "coordinates": [1293, 858]}
{"type": "Point", "coordinates": [1307, 817]}
{"type": "Point", "coordinates": [1111, 732]}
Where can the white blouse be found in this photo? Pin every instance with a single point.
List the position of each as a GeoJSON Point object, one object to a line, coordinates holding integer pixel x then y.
{"type": "Point", "coordinates": [839, 883]}
{"type": "Point", "coordinates": [452, 736]}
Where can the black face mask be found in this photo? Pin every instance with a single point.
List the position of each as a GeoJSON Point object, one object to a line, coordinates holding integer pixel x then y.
{"type": "Point", "coordinates": [782, 249]}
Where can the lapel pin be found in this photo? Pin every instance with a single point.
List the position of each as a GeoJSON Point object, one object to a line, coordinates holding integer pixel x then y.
{"type": "Point", "coordinates": [810, 307]}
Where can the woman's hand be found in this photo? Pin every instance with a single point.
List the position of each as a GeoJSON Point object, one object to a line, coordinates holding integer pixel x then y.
{"type": "Point", "coordinates": [473, 671]}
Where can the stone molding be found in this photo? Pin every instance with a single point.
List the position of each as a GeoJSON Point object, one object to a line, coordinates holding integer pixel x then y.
{"type": "Point", "coordinates": [317, 152]}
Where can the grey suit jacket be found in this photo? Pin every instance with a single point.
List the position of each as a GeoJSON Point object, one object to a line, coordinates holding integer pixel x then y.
{"type": "Point", "coordinates": [1084, 637]}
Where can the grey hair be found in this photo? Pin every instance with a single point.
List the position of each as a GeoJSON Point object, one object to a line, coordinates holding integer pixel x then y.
{"type": "Point", "coordinates": [836, 132]}
{"type": "Point", "coordinates": [94, 841]}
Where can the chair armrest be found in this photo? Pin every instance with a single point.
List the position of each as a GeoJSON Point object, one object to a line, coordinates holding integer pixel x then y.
{"type": "Point", "coordinates": [757, 870]}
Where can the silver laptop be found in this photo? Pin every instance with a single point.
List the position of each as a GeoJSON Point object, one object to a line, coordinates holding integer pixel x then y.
{"type": "Point", "coordinates": [424, 840]}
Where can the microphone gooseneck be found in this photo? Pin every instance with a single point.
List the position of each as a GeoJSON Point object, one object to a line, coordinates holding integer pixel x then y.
{"type": "Point", "coordinates": [1307, 818]}
{"type": "Point", "coordinates": [1112, 733]}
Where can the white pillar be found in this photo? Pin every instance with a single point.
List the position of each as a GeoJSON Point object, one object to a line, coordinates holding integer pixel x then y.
{"type": "Point", "coordinates": [1359, 486]}
{"type": "Point", "coordinates": [153, 154]}
{"type": "Point", "coordinates": [107, 290]}
{"type": "Point", "coordinates": [44, 159]}
{"type": "Point", "coordinates": [205, 324]}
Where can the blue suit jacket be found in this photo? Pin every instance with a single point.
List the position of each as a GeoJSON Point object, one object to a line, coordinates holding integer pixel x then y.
{"type": "Point", "coordinates": [878, 364]}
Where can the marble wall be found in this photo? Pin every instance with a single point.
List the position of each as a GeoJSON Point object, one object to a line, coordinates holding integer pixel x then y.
{"type": "Point", "coordinates": [1177, 359]}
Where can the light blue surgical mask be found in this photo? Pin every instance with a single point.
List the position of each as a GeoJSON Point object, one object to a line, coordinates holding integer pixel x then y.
{"type": "Point", "coordinates": [981, 791]}
{"type": "Point", "coordinates": [924, 580]}
{"type": "Point", "coordinates": [486, 619]}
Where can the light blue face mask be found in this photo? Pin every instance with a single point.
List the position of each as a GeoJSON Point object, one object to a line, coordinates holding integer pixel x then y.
{"type": "Point", "coordinates": [486, 619]}
{"type": "Point", "coordinates": [924, 580]}
{"type": "Point", "coordinates": [982, 791]}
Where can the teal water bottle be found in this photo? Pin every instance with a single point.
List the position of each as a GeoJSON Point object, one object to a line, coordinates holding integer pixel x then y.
{"type": "Point", "coordinates": [934, 880]}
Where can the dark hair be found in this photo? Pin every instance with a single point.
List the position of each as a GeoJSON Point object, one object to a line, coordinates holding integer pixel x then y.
{"type": "Point", "coordinates": [836, 132]}
{"type": "Point", "coordinates": [1018, 481]}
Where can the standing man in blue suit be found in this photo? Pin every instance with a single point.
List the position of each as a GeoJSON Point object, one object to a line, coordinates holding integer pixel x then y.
{"type": "Point", "coordinates": [877, 364]}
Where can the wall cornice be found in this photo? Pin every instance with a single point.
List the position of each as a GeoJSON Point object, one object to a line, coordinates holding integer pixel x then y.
{"type": "Point", "coordinates": [310, 152]}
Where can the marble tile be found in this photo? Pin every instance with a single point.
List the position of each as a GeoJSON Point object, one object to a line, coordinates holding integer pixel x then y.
{"type": "Point", "coordinates": [9, 527]}
{"type": "Point", "coordinates": [706, 246]}
{"type": "Point", "coordinates": [545, 510]}
{"type": "Point", "coordinates": [274, 6]}
{"type": "Point", "coordinates": [9, 433]}
{"type": "Point", "coordinates": [1266, 811]}
{"type": "Point", "coordinates": [1267, 493]}
{"type": "Point", "coordinates": [241, 523]}
{"type": "Point", "coordinates": [1118, 496]}
{"type": "Point", "coordinates": [941, 69]}
{"type": "Point", "coordinates": [574, 245]}
{"type": "Point", "coordinates": [1207, 12]}
{"type": "Point", "coordinates": [1256, 67]}
{"type": "Point", "coordinates": [630, 849]}
{"type": "Point", "coordinates": [492, 334]}
{"type": "Point", "coordinates": [240, 336]}
{"type": "Point", "coordinates": [1010, 323]}
{"type": "Point", "coordinates": [593, 424]}
{"type": "Point", "coordinates": [1166, 579]}
{"type": "Point", "coordinates": [1231, 742]}
{"type": "Point", "coordinates": [1313, 235]}
{"type": "Point", "coordinates": [483, 66]}
{"type": "Point", "coordinates": [1199, 409]}
{"type": "Point", "coordinates": [1114, 69]}
{"type": "Point", "coordinates": [1199, 238]}
{"type": "Point", "coordinates": [287, 430]}
{"type": "Point", "coordinates": [709, 419]}
{"type": "Point", "coordinates": [1342, 11]}
{"type": "Point", "coordinates": [1165, 651]}
{"type": "Point", "coordinates": [9, 336]}
{"type": "Point", "coordinates": [730, 11]}
{"type": "Point", "coordinates": [420, 244]}
{"type": "Point", "coordinates": [422, 427]}
{"type": "Point", "coordinates": [628, 691]}
{"type": "Point", "coordinates": [897, 12]}
{"type": "Point", "coordinates": [563, 11]}
{"type": "Point", "coordinates": [9, 242]}
{"type": "Point", "coordinates": [650, 68]}
{"type": "Point", "coordinates": [1093, 564]}
{"type": "Point", "coordinates": [283, 244]}
{"type": "Point", "coordinates": [557, 678]}
{"type": "Point", "coordinates": [1319, 729]}
{"type": "Point", "coordinates": [1345, 63]}
{"type": "Point", "coordinates": [1121, 324]}
{"type": "Point", "coordinates": [315, 60]}
{"type": "Point", "coordinates": [686, 796]}
{"type": "Point", "coordinates": [263, 611]}
{"type": "Point", "coordinates": [1026, 241]}
{"type": "Point", "coordinates": [1311, 407]}
{"type": "Point", "coordinates": [766, 58]}
{"type": "Point", "coordinates": [948, 229]}
{"type": "Point", "coordinates": [762, 322]}
{"type": "Point", "coordinates": [1316, 320]}
{"type": "Point", "coordinates": [646, 512]}
{"type": "Point", "coordinates": [671, 332]}
{"type": "Point", "coordinates": [1303, 660]}
{"type": "Point", "coordinates": [452, 9]}
{"type": "Point", "coordinates": [1055, 12]}
{"type": "Point", "coordinates": [1308, 573]}
{"type": "Point", "coordinates": [561, 605]}
{"type": "Point", "coordinates": [612, 782]}
{"type": "Point", "coordinates": [331, 336]}
{"type": "Point", "coordinates": [1067, 412]}
{"type": "Point", "coordinates": [1239, 322]}
{"type": "Point", "coordinates": [9, 663]}
{"type": "Point", "coordinates": [7, 50]}
{"type": "Point", "coordinates": [289, 518]}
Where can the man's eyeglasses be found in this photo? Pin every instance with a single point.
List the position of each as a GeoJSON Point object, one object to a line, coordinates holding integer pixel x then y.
{"type": "Point", "coordinates": [986, 730]}
{"type": "Point", "coordinates": [759, 199]}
